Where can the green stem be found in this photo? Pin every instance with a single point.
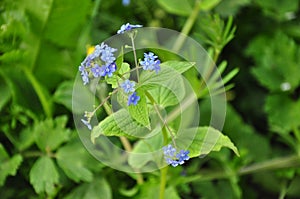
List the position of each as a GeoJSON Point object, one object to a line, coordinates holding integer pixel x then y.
{"type": "Point", "coordinates": [187, 27]}
{"type": "Point", "coordinates": [135, 58]}
{"type": "Point", "coordinates": [45, 100]}
{"type": "Point", "coordinates": [164, 170]}
{"type": "Point", "coordinates": [163, 182]}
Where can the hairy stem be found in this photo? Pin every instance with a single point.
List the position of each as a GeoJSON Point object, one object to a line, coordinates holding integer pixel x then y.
{"type": "Point", "coordinates": [135, 58]}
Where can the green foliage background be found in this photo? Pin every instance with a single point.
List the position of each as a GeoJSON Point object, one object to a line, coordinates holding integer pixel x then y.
{"type": "Point", "coordinates": [42, 42]}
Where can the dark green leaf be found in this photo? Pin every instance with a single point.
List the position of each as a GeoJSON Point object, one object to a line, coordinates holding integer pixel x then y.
{"type": "Point", "coordinates": [98, 188]}
{"type": "Point", "coordinates": [8, 166]}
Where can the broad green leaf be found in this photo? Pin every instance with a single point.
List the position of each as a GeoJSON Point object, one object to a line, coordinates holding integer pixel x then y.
{"type": "Point", "coordinates": [98, 188]}
{"type": "Point", "coordinates": [179, 66]}
{"type": "Point", "coordinates": [202, 140]}
{"type": "Point", "coordinates": [167, 86]}
{"type": "Point", "coordinates": [76, 162]}
{"type": "Point", "coordinates": [49, 134]}
{"type": "Point", "coordinates": [142, 152]}
{"type": "Point", "coordinates": [178, 7]}
{"type": "Point", "coordinates": [283, 113]}
{"type": "Point", "coordinates": [8, 166]}
{"type": "Point", "coordinates": [209, 4]}
{"type": "Point", "coordinates": [140, 111]}
{"type": "Point", "coordinates": [124, 70]}
{"type": "Point", "coordinates": [26, 138]}
{"type": "Point", "coordinates": [119, 123]}
{"type": "Point", "coordinates": [44, 175]}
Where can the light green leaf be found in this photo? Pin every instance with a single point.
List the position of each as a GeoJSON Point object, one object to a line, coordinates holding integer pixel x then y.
{"type": "Point", "coordinates": [179, 66]}
{"type": "Point", "coordinates": [8, 166]}
{"type": "Point", "coordinates": [49, 134]}
{"type": "Point", "coordinates": [178, 7]}
{"type": "Point", "coordinates": [44, 175]}
{"type": "Point", "coordinates": [98, 188]}
{"type": "Point", "coordinates": [209, 4]}
{"type": "Point", "coordinates": [202, 140]}
{"type": "Point", "coordinates": [167, 87]}
{"type": "Point", "coordinates": [119, 123]}
{"type": "Point", "coordinates": [140, 112]}
{"type": "Point", "coordinates": [76, 167]}
{"type": "Point", "coordinates": [142, 151]}
{"type": "Point", "coordinates": [125, 68]}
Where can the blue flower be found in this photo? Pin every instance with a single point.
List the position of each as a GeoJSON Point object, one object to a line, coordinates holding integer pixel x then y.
{"type": "Point", "coordinates": [133, 99]}
{"type": "Point", "coordinates": [128, 86]}
{"type": "Point", "coordinates": [97, 71]}
{"type": "Point", "coordinates": [128, 27]}
{"type": "Point", "coordinates": [109, 69]}
{"type": "Point", "coordinates": [182, 156]}
{"type": "Point", "coordinates": [86, 123]}
{"type": "Point", "coordinates": [150, 62]}
{"type": "Point", "coordinates": [173, 158]}
{"type": "Point", "coordinates": [125, 2]}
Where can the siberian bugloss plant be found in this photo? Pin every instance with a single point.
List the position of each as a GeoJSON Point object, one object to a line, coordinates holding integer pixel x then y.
{"type": "Point", "coordinates": [145, 103]}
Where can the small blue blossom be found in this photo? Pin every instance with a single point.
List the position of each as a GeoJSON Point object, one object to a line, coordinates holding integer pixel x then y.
{"type": "Point", "coordinates": [150, 62]}
{"type": "Point", "coordinates": [133, 99]}
{"type": "Point", "coordinates": [86, 123]}
{"type": "Point", "coordinates": [128, 86]}
{"type": "Point", "coordinates": [109, 69]}
{"type": "Point", "coordinates": [97, 71]}
{"type": "Point", "coordinates": [128, 27]}
{"type": "Point", "coordinates": [125, 2]}
{"type": "Point", "coordinates": [173, 158]}
{"type": "Point", "coordinates": [182, 156]}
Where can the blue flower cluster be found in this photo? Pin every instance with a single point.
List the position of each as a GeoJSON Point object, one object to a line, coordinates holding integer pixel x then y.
{"type": "Point", "coordinates": [100, 63]}
{"type": "Point", "coordinates": [173, 158]}
{"type": "Point", "coordinates": [150, 62]}
{"type": "Point", "coordinates": [128, 27]}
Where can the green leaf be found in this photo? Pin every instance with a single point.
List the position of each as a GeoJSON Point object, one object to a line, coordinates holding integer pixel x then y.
{"type": "Point", "coordinates": [178, 7]}
{"type": "Point", "coordinates": [8, 166]}
{"type": "Point", "coordinates": [76, 167]}
{"type": "Point", "coordinates": [98, 188]}
{"type": "Point", "coordinates": [119, 123]}
{"type": "Point", "coordinates": [202, 140]}
{"type": "Point", "coordinates": [125, 68]}
{"type": "Point", "coordinates": [283, 113]}
{"type": "Point", "coordinates": [179, 66]}
{"type": "Point", "coordinates": [140, 112]}
{"type": "Point", "coordinates": [162, 87]}
{"type": "Point", "coordinates": [209, 4]}
{"type": "Point", "coordinates": [49, 134]}
{"type": "Point", "coordinates": [44, 175]}
{"type": "Point", "coordinates": [142, 151]}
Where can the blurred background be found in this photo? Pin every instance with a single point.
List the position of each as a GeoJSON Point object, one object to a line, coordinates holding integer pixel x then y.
{"type": "Point", "coordinates": [255, 42]}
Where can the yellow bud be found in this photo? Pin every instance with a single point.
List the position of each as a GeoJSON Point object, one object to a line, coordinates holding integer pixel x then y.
{"type": "Point", "coordinates": [90, 50]}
